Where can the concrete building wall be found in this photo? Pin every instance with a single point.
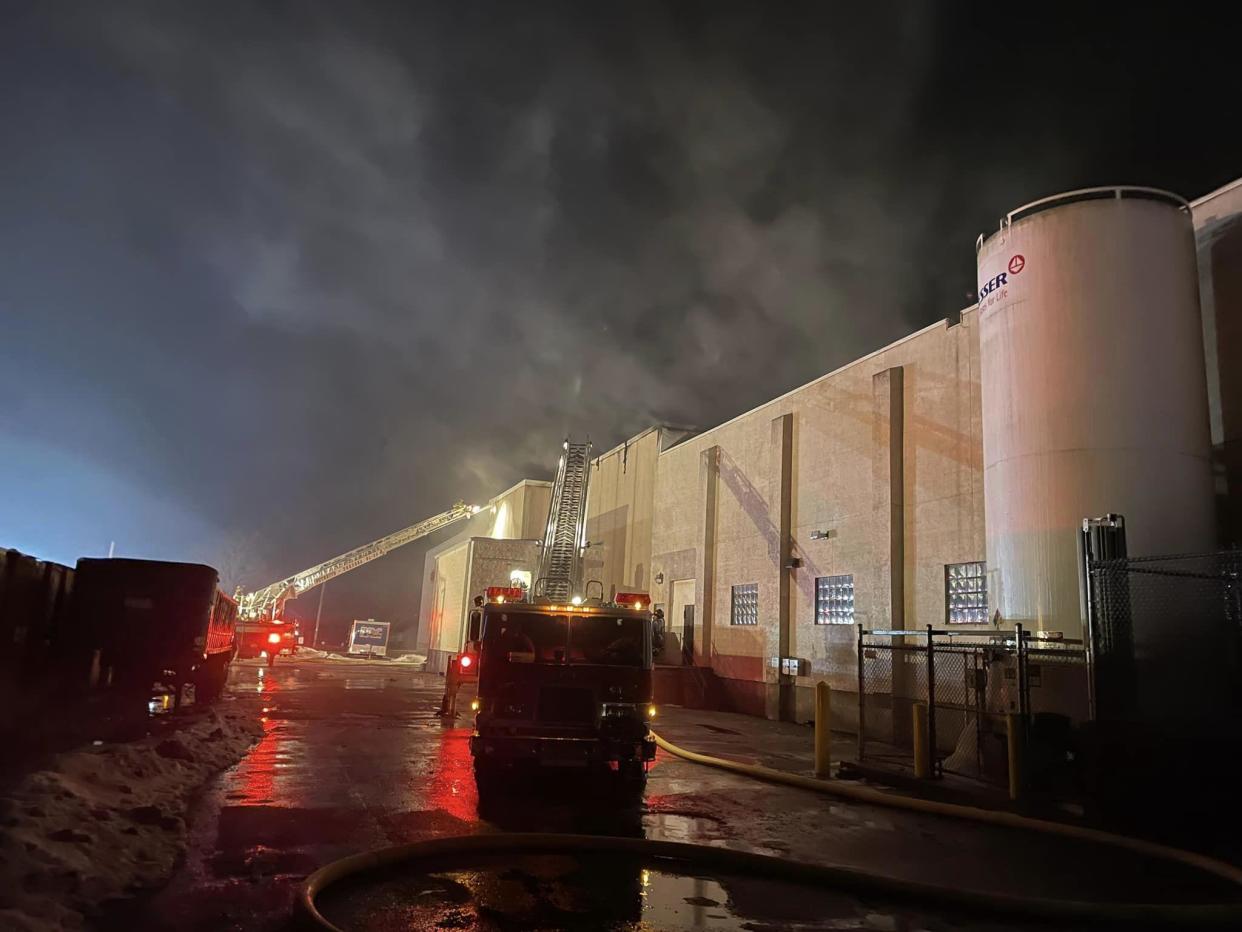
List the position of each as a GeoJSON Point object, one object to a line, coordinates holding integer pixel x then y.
{"type": "Point", "coordinates": [449, 597]}
{"type": "Point", "coordinates": [1218, 243]}
{"type": "Point", "coordinates": [519, 512]}
{"type": "Point", "coordinates": [882, 458]}
{"type": "Point", "coordinates": [620, 503]}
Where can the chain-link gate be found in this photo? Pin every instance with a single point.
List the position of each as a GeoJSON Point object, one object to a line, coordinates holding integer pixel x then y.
{"type": "Point", "coordinates": [969, 683]}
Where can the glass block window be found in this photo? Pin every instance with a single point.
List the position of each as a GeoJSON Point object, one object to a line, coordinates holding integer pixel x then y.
{"type": "Point", "coordinates": [966, 593]}
{"type": "Point", "coordinates": [744, 609]}
{"type": "Point", "coordinates": [834, 600]}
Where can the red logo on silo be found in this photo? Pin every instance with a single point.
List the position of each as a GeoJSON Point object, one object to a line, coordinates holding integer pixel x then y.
{"type": "Point", "coordinates": [1017, 264]}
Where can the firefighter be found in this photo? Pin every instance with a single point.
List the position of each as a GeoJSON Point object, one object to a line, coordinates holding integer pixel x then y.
{"type": "Point", "coordinates": [452, 683]}
{"type": "Point", "coordinates": [452, 676]}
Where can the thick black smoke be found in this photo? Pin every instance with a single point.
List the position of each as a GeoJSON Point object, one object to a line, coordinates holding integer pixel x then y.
{"type": "Point", "coordinates": [304, 273]}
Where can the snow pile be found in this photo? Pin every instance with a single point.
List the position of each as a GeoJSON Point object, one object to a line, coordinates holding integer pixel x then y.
{"type": "Point", "coordinates": [105, 821]}
{"type": "Point", "coordinates": [311, 655]}
{"type": "Point", "coordinates": [308, 653]}
{"type": "Point", "coordinates": [418, 659]}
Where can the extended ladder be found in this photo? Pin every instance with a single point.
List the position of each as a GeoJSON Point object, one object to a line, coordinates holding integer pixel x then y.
{"type": "Point", "coordinates": [270, 600]}
{"type": "Point", "coordinates": [560, 565]}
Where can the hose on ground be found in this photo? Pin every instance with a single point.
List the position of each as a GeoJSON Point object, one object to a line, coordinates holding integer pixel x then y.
{"type": "Point", "coordinates": [436, 852]}
{"type": "Point", "coordinates": [444, 853]}
{"type": "Point", "coordinates": [864, 794]}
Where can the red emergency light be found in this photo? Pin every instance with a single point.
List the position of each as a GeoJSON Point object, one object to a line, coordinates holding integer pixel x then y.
{"type": "Point", "coordinates": [466, 660]}
{"type": "Point", "coordinates": [273, 638]}
{"type": "Point", "coordinates": [639, 600]}
{"type": "Point", "coordinates": [505, 593]}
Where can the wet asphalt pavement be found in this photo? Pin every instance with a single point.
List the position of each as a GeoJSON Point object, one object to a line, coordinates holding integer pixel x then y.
{"type": "Point", "coordinates": [354, 757]}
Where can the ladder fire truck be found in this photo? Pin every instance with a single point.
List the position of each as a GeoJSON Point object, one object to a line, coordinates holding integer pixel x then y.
{"type": "Point", "coordinates": [564, 675]}
{"type": "Point", "coordinates": [261, 627]}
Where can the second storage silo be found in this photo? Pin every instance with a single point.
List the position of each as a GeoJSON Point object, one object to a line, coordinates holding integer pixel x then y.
{"type": "Point", "coordinates": [1093, 389]}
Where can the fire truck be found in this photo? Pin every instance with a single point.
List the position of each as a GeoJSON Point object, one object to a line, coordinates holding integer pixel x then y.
{"type": "Point", "coordinates": [263, 631]}
{"type": "Point", "coordinates": [564, 675]}
{"type": "Point", "coordinates": [265, 638]}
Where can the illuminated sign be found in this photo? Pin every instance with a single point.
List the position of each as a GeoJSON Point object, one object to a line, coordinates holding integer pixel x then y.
{"type": "Point", "coordinates": [369, 637]}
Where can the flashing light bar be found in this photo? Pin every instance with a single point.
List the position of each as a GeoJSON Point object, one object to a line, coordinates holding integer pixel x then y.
{"type": "Point", "coordinates": [502, 593]}
{"type": "Point", "coordinates": [638, 600]}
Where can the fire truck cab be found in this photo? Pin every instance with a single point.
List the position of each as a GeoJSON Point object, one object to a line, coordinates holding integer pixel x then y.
{"type": "Point", "coordinates": [563, 685]}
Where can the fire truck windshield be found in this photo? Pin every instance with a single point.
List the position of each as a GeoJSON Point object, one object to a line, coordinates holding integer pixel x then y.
{"type": "Point", "coordinates": [535, 637]}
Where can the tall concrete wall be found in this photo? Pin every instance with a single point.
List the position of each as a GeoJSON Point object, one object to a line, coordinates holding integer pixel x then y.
{"type": "Point", "coordinates": [449, 598]}
{"type": "Point", "coordinates": [1218, 243]}
{"type": "Point", "coordinates": [620, 499]}
{"type": "Point", "coordinates": [883, 458]}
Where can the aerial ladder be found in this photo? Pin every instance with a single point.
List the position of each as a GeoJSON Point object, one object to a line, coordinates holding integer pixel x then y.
{"type": "Point", "coordinates": [564, 539]}
{"type": "Point", "coordinates": [560, 560]}
{"type": "Point", "coordinates": [269, 602]}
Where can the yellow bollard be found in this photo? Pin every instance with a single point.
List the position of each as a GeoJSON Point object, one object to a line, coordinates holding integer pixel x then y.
{"type": "Point", "coordinates": [921, 770]}
{"type": "Point", "coordinates": [1013, 744]}
{"type": "Point", "coordinates": [823, 730]}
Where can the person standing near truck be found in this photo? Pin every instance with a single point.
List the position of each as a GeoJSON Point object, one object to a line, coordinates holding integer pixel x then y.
{"type": "Point", "coordinates": [462, 666]}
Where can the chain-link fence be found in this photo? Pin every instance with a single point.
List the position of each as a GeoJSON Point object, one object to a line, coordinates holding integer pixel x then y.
{"type": "Point", "coordinates": [1166, 637]}
{"type": "Point", "coordinates": [969, 684]}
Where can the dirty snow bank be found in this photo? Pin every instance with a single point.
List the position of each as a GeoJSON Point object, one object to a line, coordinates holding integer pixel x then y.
{"type": "Point", "coordinates": [308, 654]}
{"type": "Point", "coordinates": [410, 658]}
{"type": "Point", "coordinates": [105, 821]}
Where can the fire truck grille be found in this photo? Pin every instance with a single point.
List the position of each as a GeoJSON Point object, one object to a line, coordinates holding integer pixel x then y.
{"type": "Point", "coordinates": [566, 704]}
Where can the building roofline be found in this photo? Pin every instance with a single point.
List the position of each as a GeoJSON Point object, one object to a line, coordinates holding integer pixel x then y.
{"type": "Point", "coordinates": [637, 437]}
{"type": "Point", "coordinates": [542, 483]}
{"type": "Point", "coordinates": [944, 322]}
{"type": "Point", "coordinates": [1215, 194]}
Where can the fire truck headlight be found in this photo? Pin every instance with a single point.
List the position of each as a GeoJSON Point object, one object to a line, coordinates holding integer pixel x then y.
{"type": "Point", "coordinates": [576, 600]}
{"type": "Point", "coordinates": [466, 661]}
{"type": "Point", "coordinates": [651, 711]}
{"type": "Point", "coordinates": [273, 639]}
{"type": "Point", "coordinates": [474, 705]}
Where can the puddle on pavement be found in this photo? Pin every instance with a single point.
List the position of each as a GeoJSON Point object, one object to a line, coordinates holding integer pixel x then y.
{"type": "Point", "coordinates": [671, 826]}
{"type": "Point", "coordinates": [588, 892]}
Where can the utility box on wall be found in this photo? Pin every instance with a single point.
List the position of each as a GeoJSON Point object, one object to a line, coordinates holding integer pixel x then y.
{"type": "Point", "coordinates": [792, 666]}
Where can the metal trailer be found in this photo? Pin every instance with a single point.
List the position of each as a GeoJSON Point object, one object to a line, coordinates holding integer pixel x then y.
{"type": "Point", "coordinates": [143, 623]}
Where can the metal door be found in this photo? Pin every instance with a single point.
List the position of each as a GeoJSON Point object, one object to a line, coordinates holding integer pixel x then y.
{"type": "Point", "coordinates": [687, 635]}
{"type": "Point", "coordinates": [682, 598]}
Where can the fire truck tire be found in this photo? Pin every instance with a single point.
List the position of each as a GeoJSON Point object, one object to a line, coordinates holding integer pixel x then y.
{"type": "Point", "coordinates": [487, 775]}
{"type": "Point", "coordinates": [631, 780]}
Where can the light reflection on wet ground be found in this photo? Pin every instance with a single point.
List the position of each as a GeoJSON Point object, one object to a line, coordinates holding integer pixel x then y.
{"type": "Point", "coordinates": [356, 758]}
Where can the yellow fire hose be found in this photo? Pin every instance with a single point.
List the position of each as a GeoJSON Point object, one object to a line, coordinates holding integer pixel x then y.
{"type": "Point", "coordinates": [434, 854]}
{"type": "Point", "coordinates": [875, 797]}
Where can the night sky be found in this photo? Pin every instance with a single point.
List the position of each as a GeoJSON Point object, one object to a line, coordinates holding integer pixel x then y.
{"type": "Point", "coordinates": [278, 278]}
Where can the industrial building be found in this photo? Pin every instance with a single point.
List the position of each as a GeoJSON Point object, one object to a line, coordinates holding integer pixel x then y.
{"type": "Point", "coordinates": [940, 480]}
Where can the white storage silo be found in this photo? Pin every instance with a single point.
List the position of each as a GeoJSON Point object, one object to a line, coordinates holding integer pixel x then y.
{"type": "Point", "coordinates": [1093, 389]}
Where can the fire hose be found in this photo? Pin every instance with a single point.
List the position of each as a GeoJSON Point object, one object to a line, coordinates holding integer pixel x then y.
{"type": "Point", "coordinates": [433, 855]}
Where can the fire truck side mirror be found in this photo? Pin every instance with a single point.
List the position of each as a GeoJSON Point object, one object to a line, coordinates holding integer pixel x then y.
{"type": "Point", "coordinates": [475, 628]}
